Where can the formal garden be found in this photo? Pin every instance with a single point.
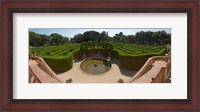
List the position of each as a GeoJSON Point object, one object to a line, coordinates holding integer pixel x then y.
{"type": "Point", "coordinates": [62, 56]}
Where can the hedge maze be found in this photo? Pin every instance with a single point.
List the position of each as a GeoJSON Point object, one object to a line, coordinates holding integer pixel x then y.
{"type": "Point", "coordinates": [59, 51]}
{"type": "Point", "coordinates": [137, 50]}
{"type": "Point", "coordinates": [131, 56]}
{"type": "Point", "coordinates": [60, 57]}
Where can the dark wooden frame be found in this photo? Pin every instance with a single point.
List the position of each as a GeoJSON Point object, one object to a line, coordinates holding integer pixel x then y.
{"type": "Point", "coordinates": [190, 7]}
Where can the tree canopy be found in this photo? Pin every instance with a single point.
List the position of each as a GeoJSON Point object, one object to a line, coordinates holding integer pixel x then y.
{"type": "Point", "coordinates": [141, 38]}
{"type": "Point", "coordinates": [42, 39]}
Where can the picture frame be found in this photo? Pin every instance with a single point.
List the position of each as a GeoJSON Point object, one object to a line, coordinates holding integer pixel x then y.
{"type": "Point", "coordinates": [10, 7]}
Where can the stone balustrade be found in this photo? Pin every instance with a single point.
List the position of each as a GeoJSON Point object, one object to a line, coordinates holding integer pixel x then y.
{"type": "Point", "coordinates": [33, 77]}
{"type": "Point", "coordinates": [157, 69]}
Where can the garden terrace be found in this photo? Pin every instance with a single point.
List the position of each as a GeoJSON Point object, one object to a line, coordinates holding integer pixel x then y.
{"type": "Point", "coordinates": [131, 56]}
{"type": "Point", "coordinates": [157, 69]}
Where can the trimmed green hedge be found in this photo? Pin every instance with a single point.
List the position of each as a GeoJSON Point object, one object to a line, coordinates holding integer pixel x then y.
{"type": "Point", "coordinates": [131, 56]}
{"type": "Point", "coordinates": [95, 51]}
{"type": "Point", "coordinates": [61, 64]}
{"type": "Point", "coordinates": [76, 53]}
{"type": "Point", "coordinates": [59, 58]}
{"type": "Point", "coordinates": [133, 62]}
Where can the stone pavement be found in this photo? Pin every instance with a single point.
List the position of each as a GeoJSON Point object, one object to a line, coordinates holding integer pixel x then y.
{"type": "Point", "coordinates": [112, 76]}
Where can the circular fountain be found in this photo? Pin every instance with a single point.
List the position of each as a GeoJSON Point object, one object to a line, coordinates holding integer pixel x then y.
{"type": "Point", "coordinates": [95, 66]}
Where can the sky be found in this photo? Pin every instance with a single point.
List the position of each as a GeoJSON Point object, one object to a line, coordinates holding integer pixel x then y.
{"type": "Point", "coordinates": [70, 32]}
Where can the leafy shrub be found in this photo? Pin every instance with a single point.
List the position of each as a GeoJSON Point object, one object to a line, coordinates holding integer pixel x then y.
{"type": "Point", "coordinates": [84, 48]}
{"type": "Point", "coordinates": [120, 81]}
{"type": "Point", "coordinates": [69, 80]}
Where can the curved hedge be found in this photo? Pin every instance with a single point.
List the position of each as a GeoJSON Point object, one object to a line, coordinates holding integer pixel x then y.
{"type": "Point", "coordinates": [133, 62]}
{"type": "Point", "coordinates": [60, 57]}
{"type": "Point", "coordinates": [131, 56]}
{"type": "Point", "coordinates": [61, 64]}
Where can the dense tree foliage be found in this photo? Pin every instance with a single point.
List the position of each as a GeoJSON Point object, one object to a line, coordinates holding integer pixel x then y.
{"type": "Point", "coordinates": [141, 38]}
{"type": "Point", "coordinates": [78, 38]}
{"type": "Point", "coordinates": [144, 38]}
{"type": "Point", "coordinates": [42, 40]}
{"type": "Point", "coordinates": [90, 36]}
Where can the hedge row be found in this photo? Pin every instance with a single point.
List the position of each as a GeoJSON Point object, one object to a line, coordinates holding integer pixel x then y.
{"type": "Point", "coordinates": [133, 57]}
{"type": "Point", "coordinates": [54, 50]}
{"type": "Point", "coordinates": [136, 50]}
{"type": "Point", "coordinates": [137, 47]}
{"type": "Point", "coordinates": [60, 64]}
{"type": "Point", "coordinates": [131, 49]}
{"type": "Point", "coordinates": [131, 62]}
{"type": "Point", "coordinates": [60, 58]}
